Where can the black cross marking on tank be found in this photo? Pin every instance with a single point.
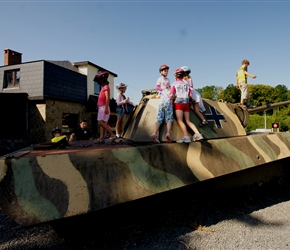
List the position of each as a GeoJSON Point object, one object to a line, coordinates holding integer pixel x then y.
{"type": "Point", "coordinates": [215, 116]}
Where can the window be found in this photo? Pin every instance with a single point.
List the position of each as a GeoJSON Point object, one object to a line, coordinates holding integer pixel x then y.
{"type": "Point", "coordinates": [97, 88]}
{"type": "Point", "coordinates": [11, 78]}
{"type": "Point", "coordinates": [70, 123]}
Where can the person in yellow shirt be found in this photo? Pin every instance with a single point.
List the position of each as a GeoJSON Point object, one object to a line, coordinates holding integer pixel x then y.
{"type": "Point", "coordinates": [241, 82]}
{"type": "Point", "coordinates": [58, 138]}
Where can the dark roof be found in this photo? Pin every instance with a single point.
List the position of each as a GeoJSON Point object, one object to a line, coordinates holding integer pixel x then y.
{"type": "Point", "coordinates": [94, 65]}
{"type": "Point", "coordinates": [64, 64]}
{"type": "Point", "coordinates": [67, 64]}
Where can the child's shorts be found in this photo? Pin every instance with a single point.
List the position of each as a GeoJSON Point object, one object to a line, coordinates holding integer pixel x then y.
{"type": "Point", "coordinates": [101, 114]}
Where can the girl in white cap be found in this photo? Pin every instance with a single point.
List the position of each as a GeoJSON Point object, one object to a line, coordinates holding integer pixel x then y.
{"type": "Point", "coordinates": [122, 107]}
{"type": "Point", "coordinates": [198, 106]}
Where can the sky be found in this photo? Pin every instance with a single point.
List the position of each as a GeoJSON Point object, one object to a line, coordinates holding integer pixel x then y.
{"type": "Point", "coordinates": [133, 38]}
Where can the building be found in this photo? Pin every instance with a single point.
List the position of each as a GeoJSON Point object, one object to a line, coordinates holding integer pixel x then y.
{"type": "Point", "coordinates": [46, 94]}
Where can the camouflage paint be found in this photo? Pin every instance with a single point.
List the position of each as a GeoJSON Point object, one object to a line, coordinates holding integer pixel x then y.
{"type": "Point", "coordinates": [41, 188]}
{"type": "Point", "coordinates": [29, 198]}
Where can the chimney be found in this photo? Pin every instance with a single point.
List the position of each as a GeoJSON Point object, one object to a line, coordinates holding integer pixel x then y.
{"type": "Point", "coordinates": [12, 57]}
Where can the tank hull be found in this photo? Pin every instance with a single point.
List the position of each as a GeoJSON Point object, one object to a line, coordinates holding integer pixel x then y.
{"type": "Point", "coordinates": [41, 186]}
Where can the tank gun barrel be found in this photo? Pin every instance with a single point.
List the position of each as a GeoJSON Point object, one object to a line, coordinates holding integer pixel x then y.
{"type": "Point", "coordinates": [268, 106]}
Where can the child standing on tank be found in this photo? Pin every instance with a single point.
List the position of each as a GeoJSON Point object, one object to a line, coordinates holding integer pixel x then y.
{"type": "Point", "coordinates": [182, 93]}
{"type": "Point", "coordinates": [122, 107]}
{"type": "Point", "coordinates": [198, 106]}
{"type": "Point", "coordinates": [104, 106]}
{"type": "Point", "coordinates": [165, 108]}
{"type": "Point", "coordinates": [242, 82]}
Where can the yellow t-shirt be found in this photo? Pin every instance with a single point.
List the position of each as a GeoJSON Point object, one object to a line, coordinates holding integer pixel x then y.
{"type": "Point", "coordinates": [242, 78]}
{"type": "Point", "coordinates": [58, 138]}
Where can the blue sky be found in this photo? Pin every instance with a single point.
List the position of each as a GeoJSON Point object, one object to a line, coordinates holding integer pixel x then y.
{"type": "Point", "coordinates": [133, 38]}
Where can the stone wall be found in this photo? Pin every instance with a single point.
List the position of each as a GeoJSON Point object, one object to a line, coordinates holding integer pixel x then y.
{"type": "Point", "coordinates": [44, 117]}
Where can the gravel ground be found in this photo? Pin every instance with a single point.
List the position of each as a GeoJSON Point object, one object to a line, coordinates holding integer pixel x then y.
{"type": "Point", "coordinates": [252, 219]}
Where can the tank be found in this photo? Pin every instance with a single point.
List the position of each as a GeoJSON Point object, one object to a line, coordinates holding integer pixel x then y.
{"type": "Point", "coordinates": [41, 185]}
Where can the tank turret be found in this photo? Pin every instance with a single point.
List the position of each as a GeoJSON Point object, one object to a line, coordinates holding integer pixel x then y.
{"type": "Point", "coordinates": [224, 119]}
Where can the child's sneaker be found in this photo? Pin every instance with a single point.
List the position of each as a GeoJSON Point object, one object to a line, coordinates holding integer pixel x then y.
{"type": "Point", "coordinates": [184, 139]}
{"type": "Point", "coordinates": [154, 138]}
{"type": "Point", "coordinates": [197, 137]}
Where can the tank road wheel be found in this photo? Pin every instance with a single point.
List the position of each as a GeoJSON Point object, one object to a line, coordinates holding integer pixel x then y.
{"type": "Point", "coordinates": [242, 113]}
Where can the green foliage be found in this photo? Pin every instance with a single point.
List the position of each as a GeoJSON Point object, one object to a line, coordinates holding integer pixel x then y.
{"type": "Point", "coordinates": [260, 94]}
{"type": "Point", "coordinates": [210, 92]}
{"type": "Point", "coordinates": [258, 121]}
{"type": "Point", "coordinates": [230, 94]}
{"type": "Point", "coordinates": [255, 121]}
{"type": "Point", "coordinates": [281, 93]}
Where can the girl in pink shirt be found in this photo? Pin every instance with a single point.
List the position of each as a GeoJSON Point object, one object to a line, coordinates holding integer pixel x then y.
{"type": "Point", "coordinates": [181, 92]}
{"type": "Point", "coordinates": [104, 107]}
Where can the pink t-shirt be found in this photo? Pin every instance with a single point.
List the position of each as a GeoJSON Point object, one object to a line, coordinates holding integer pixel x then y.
{"type": "Point", "coordinates": [162, 83]}
{"type": "Point", "coordinates": [102, 96]}
{"type": "Point", "coordinates": [181, 91]}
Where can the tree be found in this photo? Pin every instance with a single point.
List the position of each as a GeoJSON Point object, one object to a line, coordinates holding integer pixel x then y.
{"type": "Point", "coordinates": [280, 93]}
{"type": "Point", "coordinates": [210, 92]}
{"type": "Point", "coordinates": [261, 94]}
{"type": "Point", "coordinates": [230, 94]}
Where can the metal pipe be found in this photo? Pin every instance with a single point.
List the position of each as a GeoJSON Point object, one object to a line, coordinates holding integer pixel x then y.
{"type": "Point", "coordinates": [268, 106]}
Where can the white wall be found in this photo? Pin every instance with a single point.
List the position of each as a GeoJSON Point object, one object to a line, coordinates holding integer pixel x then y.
{"type": "Point", "coordinates": [90, 72]}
